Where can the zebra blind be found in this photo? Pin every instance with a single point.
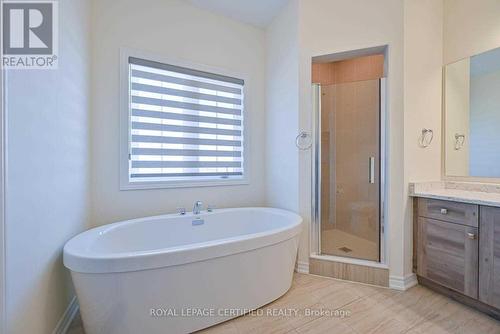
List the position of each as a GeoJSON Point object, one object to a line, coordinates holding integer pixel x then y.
{"type": "Point", "coordinates": [185, 124]}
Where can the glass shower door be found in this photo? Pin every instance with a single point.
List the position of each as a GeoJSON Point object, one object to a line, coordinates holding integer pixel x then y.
{"type": "Point", "coordinates": [350, 169]}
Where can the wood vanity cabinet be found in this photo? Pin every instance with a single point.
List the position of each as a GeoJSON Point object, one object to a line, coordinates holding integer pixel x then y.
{"type": "Point", "coordinates": [457, 251]}
{"type": "Point", "coordinates": [489, 256]}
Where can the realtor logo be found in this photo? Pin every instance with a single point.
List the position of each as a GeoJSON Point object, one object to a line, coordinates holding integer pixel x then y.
{"type": "Point", "coordinates": [29, 34]}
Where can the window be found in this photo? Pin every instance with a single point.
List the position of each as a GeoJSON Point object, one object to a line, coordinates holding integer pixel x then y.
{"type": "Point", "coordinates": [184, 126]}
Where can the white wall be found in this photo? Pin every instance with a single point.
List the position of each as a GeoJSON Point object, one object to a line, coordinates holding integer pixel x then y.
{"type": "Point", "coordinates": [178, 30]}
{"type": "Point", "coordinates": [470, 27]}
{"type": "Point", "coordinates": [47, 175]}
{"type": "Point", "coordinates": [282, 110]}
{"type": "Point", "coordinates": [423, 52]}
{"type": "Point", "coordinates": [423, 84]}
{"type": "Point", "coordinates": [331, 26]}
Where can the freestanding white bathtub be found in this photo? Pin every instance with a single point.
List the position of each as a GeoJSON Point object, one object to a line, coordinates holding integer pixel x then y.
{"type": "Point", "coordinates": [179, 274]}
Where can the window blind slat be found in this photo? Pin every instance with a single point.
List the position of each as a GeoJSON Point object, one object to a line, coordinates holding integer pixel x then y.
{"type": "Point", "coordinates": [185, 82]}
{"type": "Point", "coordinates": [186, 164]}
{"type": "Point", "coordinates": [184, 105]}
{"type": "Point", "coordinates": [184, 93]}
{"type": "Point", "coordinates": [187, 129]}
{"type": "Point", "coordinates": [183, 140]}
{"type": "Point", "coordinates": [185, 117]}
{"type": "Point", "coordinates": [183, 152]}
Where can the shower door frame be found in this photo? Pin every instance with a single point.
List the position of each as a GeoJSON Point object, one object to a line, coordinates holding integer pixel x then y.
{"type": "Point", "coordinates": [316, 178]}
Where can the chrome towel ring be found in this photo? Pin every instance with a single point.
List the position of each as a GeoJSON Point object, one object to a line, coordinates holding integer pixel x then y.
{"type": "Point", "coordinates": [459, 141]}
{"type": "Point", "coordinates": [303, 141]}
{"type": "Point", "coordinates": [426, 137]}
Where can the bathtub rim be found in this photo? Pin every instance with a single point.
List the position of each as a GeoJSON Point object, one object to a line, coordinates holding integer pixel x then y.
{"type": "Point", "coordinates": [78, 259]}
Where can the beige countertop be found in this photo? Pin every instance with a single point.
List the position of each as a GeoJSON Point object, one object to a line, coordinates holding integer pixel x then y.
{"type": "Point", "coordinates": [464, 192]}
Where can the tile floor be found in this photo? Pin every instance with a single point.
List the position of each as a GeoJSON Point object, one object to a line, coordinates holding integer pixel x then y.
{"type": "Point", "coordinates": [372, 310]}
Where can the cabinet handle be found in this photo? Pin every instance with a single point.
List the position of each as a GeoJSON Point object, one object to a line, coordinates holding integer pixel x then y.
{"type": "Point", "coordinates": [471, 235]}
{"type": "Point", "coordinates": [444, 211]}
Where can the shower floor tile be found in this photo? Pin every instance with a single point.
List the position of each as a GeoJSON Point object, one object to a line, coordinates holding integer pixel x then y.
{"type": "Point", "coordinates": [339, 243]}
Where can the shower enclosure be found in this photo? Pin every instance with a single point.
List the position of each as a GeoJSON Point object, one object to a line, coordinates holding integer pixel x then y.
{"type": "Point", "coordinates": [347, 167]}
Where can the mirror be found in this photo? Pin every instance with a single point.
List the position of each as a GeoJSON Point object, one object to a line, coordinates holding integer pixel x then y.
{"type": "Point", "coordinates": [472, 116]}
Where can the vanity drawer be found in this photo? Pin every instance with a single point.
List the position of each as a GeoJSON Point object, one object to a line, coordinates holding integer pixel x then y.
{"type": "Point", "coordinates": [453, 212]}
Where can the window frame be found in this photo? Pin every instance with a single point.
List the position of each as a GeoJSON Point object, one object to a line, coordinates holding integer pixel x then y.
{"type": "Point", "coordinates": [125, 126]}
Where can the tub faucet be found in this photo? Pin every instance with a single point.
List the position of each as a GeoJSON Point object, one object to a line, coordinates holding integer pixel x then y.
{"type": "Point", "coordinates": [197, 207]}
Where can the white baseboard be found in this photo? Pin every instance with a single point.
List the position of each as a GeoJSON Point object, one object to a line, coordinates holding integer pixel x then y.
{"type": "Point", "coordinates": [302, 267]}
{"type": "Point", "coordinates": [68, 316]}
{"type": "Point", "coordinates": [402, 283]}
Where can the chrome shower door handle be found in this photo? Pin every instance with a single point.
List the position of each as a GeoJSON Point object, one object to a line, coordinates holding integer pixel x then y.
{"type": "Point", "coordinates": [371, 172]}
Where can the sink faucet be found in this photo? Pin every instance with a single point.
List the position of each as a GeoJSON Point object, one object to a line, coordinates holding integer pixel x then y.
{"type": "Point", "coordinates": [197, 207]}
